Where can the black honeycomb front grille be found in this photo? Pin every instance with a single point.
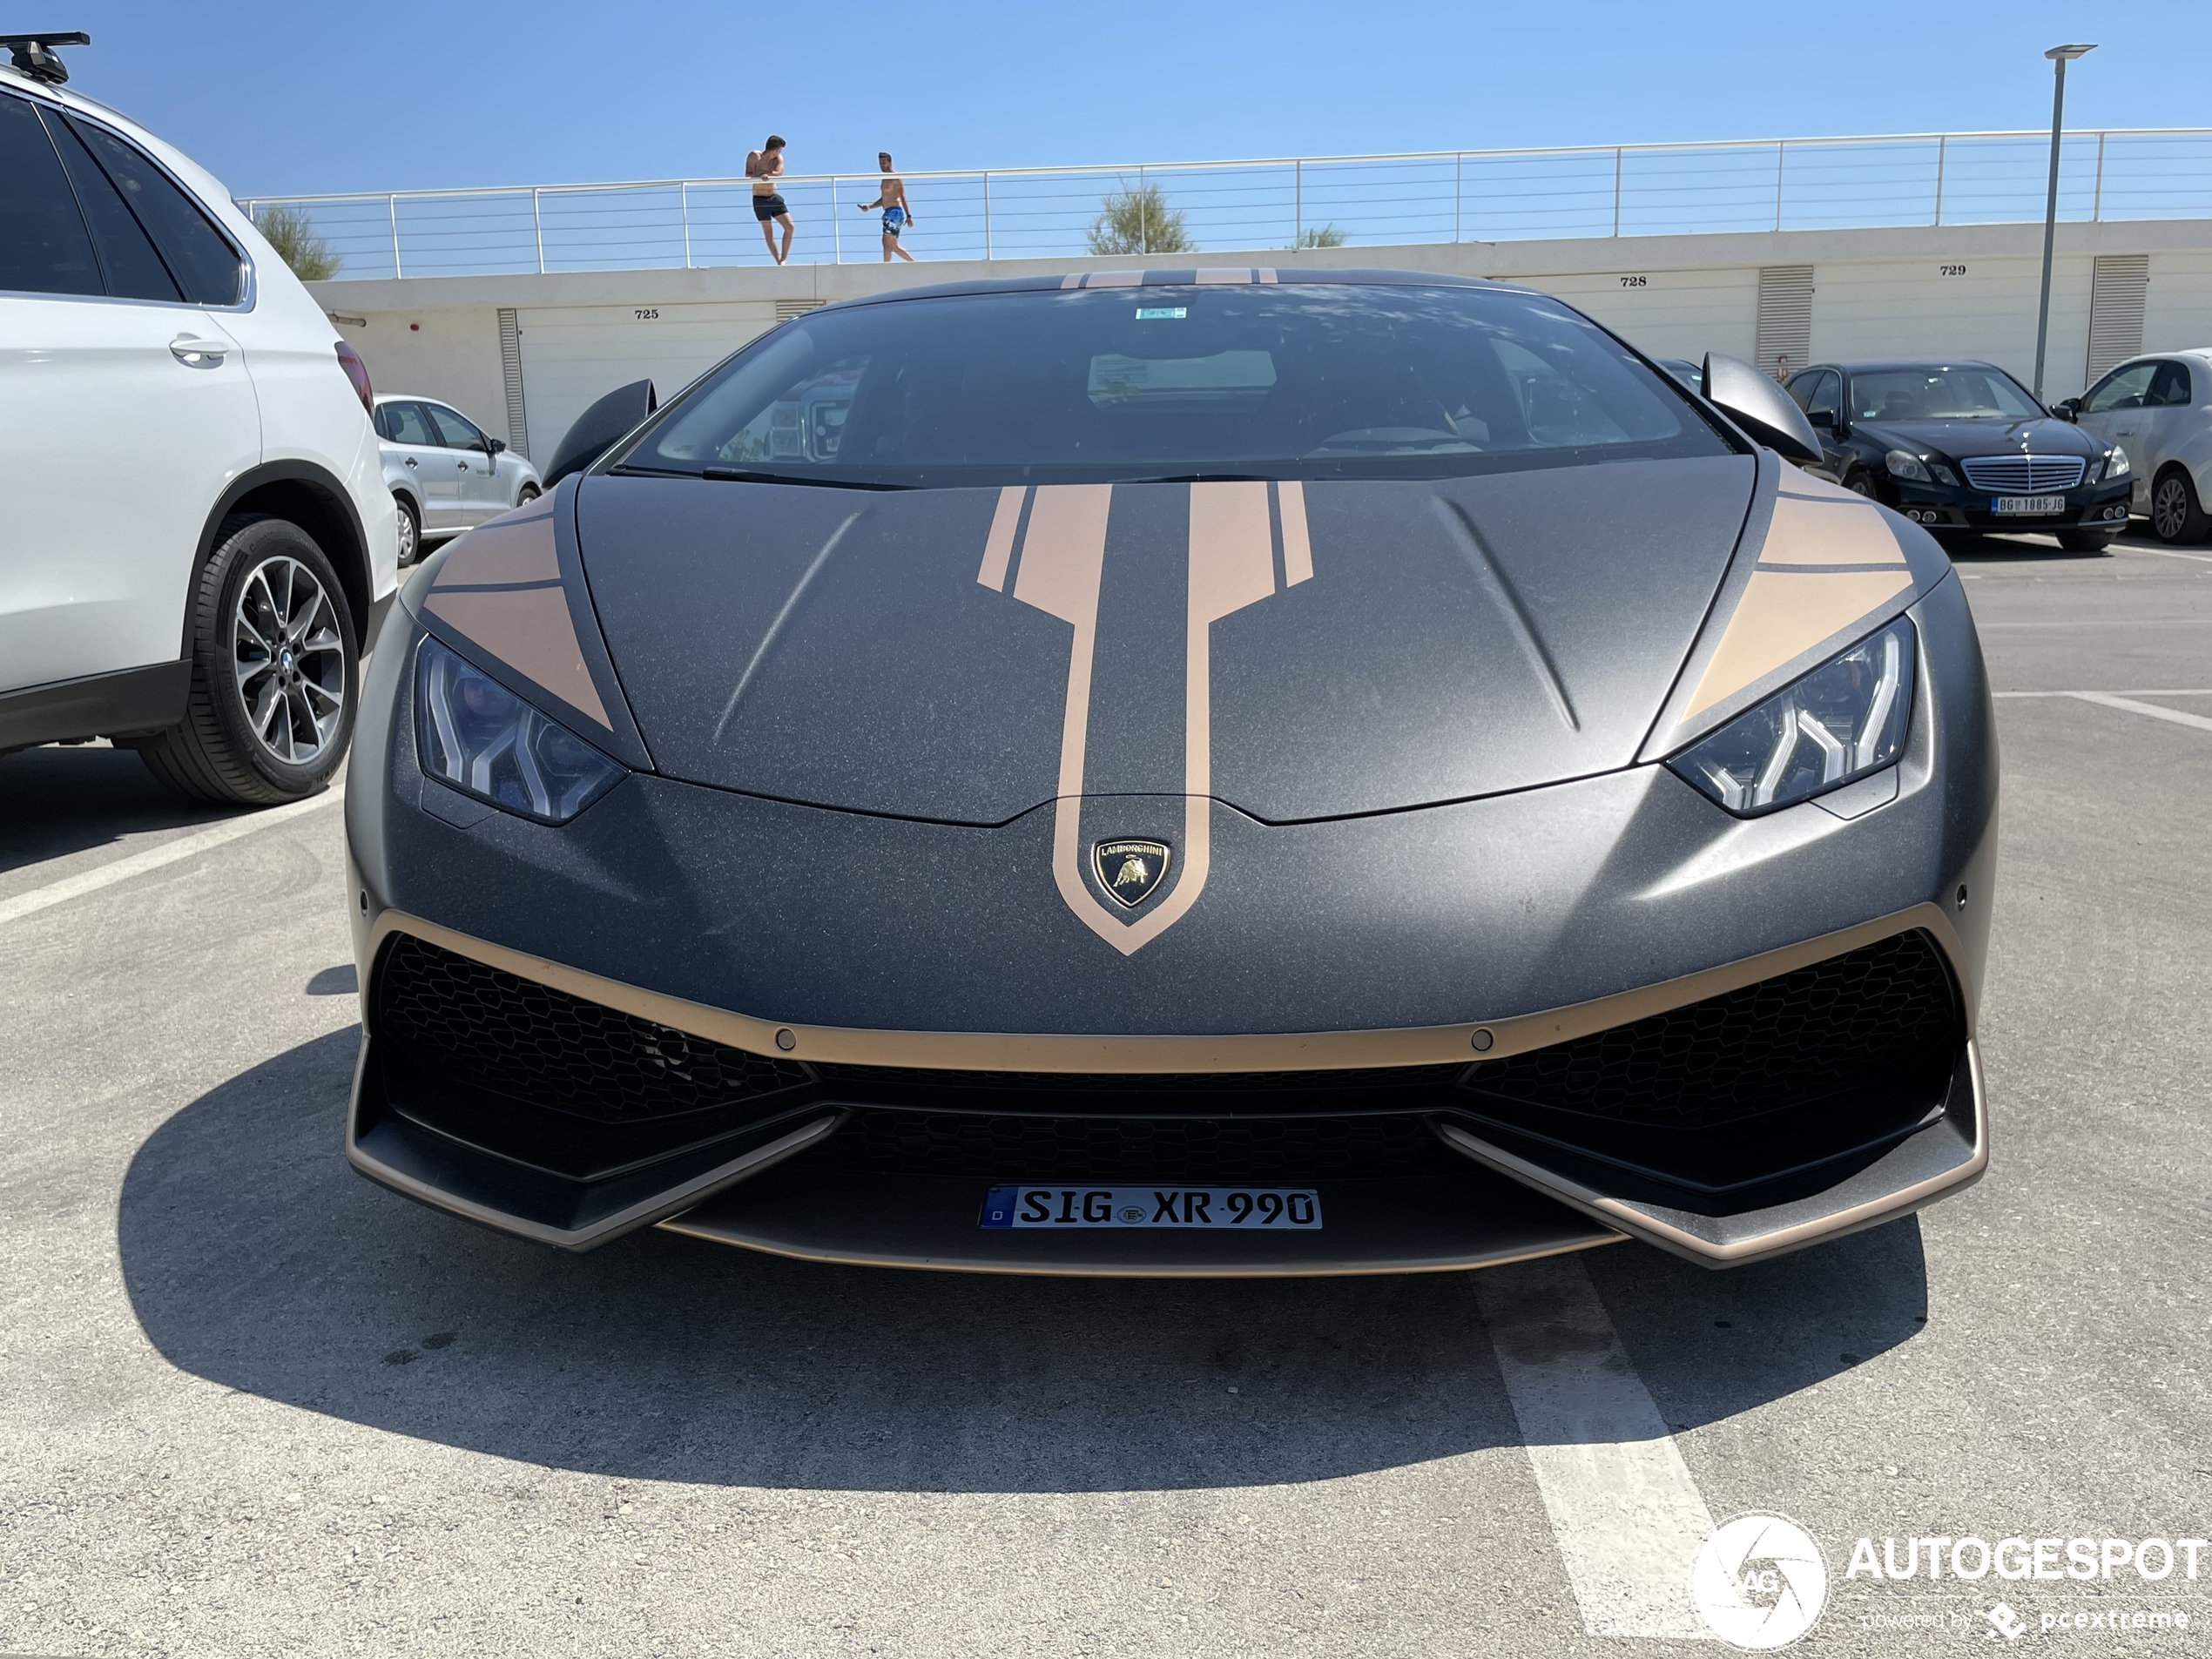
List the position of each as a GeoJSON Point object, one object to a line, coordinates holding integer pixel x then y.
{"type": "Point", "coordinates": [1883, 1016]}
{"type": "Point", "coordinates": [1283, 1150]}
{"type": "Point", "coordinates": [529, 1041]}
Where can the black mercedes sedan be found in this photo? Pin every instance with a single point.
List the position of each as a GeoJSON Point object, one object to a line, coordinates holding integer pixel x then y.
{"type": "Point", "coordinates": [1964, 447]}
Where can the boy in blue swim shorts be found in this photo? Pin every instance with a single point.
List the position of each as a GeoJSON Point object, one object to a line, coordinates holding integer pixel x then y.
{"type": "Point", "coordinates": [897, 212]}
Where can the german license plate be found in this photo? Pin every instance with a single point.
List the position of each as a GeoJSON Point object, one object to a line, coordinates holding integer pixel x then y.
{"type": "Point", "coordinates": [2028, 506]}
{"type": "Point", "coordinates": [1282, 1208]}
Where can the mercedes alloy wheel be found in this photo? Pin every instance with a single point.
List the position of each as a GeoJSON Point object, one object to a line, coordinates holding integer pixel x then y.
{"type": "Point", "coordinates": [2175, 514]}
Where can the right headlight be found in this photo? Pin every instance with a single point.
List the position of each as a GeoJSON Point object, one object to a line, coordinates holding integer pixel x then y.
{"type": "Point", "coordinates": [1846, 719]}
{"type": "Point", "coordinates": [1903, 463]}
{"type": "Point", "coordinates": [474, 733]}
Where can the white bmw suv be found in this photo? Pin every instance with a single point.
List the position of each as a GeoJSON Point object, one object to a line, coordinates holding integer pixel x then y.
{"type": "Point", "coordinates": [196, 539]}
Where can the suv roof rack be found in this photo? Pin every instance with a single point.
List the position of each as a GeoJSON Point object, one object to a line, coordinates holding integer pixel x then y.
{"type": "Point", "coordinates": [34, 54]}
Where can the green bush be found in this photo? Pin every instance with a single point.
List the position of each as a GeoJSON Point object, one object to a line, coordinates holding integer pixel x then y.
{"type": "Point", "coordinates": [292, 233]}
{"type": "Point", "coordinates": [1139, 222]}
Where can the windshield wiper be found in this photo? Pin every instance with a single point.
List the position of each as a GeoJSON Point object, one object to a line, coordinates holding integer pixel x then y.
{"type": "Point", "coordinates": [756, 476]}
{"type": "Point", "coordinates": [1203, 478]}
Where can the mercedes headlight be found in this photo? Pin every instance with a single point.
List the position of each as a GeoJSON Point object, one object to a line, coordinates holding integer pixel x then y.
{"type": "Point", "coordinates": [2115, 465]}
{"type": "Point", "coordinates": [1846, 719]}
{"type": "Point", "coordinates": [1903, 463]}
{"type": "Point", "coordinates": [479, 737]}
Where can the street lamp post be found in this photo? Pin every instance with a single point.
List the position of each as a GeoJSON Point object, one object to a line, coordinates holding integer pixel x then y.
{"type": "Point", "coordinates": [2059, 56]}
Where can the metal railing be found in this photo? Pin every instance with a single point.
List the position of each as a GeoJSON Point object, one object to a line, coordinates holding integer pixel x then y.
{"type": "Point", "coordinates": [1932, 179]}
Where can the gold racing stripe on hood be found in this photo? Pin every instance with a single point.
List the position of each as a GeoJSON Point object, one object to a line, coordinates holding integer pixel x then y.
{"type": "Point", "coordinates": [1830, 560]}
{"type": "Point", "coordinates": [500, 588]}
{"type": "Point", "coordinates": [1061, 569]}
{"type": "Point", "coordinates": [998, 547]}
{"type": "Point", "coordinates": [1298, 548]}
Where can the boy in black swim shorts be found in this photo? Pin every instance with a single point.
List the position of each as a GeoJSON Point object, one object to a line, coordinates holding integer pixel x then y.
{"type": "Point", "coordinates": [763, 166]}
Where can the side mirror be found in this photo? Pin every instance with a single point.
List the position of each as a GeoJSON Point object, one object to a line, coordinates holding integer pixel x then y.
{"type": "Point", "coordinates": [1758, 404]}
{"type": "Point", "coordinates": [600, 427]}
{"type": "Point", "coordinates": [497, 444]}
{"type": "Point", "coordinates": [1824, 420]}
{"type": "Point", "coordinates": [2067, 409]}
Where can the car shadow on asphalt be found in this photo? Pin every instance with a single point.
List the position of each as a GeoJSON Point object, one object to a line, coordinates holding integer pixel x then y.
{"type": "Point", "coordinates": [255, 1258]}
{"type": "Point", "coordinates": [65, 798]}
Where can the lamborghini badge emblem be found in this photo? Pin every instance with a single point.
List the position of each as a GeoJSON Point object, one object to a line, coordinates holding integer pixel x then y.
{"type": "Point", "coordinates": [1130, 870]}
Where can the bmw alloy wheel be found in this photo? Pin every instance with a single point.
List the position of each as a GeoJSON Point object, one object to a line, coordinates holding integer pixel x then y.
{"type": "Point", "coordinates": [290, 660]}
{"type": "Point", "coordinates": [2169, 508]}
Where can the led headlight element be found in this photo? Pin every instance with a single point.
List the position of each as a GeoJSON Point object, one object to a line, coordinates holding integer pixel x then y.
{"type": "Point", "coordinates": [1846, 719]}
{"type": "Point", "coordinates": [479, 737]}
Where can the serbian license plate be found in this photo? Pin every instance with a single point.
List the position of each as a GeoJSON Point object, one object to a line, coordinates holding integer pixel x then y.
{"type": "Point", "coordinates": [2028, 506]}
{"type": "Point", "coordinates": [1292, 1209]}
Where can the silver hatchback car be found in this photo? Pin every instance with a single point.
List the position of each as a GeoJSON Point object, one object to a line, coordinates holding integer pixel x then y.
{"type": "Point", "coordinates": [444, 472]}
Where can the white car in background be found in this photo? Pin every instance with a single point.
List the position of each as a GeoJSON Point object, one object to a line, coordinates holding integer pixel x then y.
{"type": "Point", "coordinates": [444, 472]}
{"type": "Point", "coordinates": [196, 539]}
{"type": "Point", "coordinates": [2158, 410]}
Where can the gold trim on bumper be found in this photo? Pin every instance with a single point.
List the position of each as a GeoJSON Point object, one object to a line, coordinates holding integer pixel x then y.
{"type": "Point", "coordinates": [1259, 1051]}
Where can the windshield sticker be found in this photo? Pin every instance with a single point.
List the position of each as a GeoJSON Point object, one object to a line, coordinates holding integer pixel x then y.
{"type": "Point", "coordinates": [1161, 313]}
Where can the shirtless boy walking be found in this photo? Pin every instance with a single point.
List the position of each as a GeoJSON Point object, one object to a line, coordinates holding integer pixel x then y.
{"type": "Point", "coordinates": [763, 166]}
{"type": "Point", "coordinates": [898, 213]}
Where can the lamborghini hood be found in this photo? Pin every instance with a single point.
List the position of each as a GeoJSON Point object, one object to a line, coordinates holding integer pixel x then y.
{"type": "Point", "coordinates": [1298, 651]}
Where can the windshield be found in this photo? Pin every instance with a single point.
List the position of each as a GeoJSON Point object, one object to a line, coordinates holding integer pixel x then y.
{"type": "Point", "coordinates": [1940, 394]}
{"type": "Point", "coordinates": [1298, 380]}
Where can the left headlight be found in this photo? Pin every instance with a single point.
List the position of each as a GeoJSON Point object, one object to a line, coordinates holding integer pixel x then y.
{"type": "Point", "coordinates": [2115, 465]}
{"type": "Point", "coordinates": [479, 737]}
{"type": "Point", "coordinates": [1846, 719]}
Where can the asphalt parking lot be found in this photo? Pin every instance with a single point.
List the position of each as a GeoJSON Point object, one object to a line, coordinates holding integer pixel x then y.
{"type": "Point", "coordinates": [251, 1405]}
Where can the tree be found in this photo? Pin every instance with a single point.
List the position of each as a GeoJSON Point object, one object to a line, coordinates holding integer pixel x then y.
{"type": "Point", "coordinates": [1138, 221]}
{"type": "Point", "coordinates": [292, 233]}
{"type": "Point", "coordinates": [1322, 236]}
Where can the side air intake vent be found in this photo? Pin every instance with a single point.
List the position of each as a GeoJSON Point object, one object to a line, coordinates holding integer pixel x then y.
{"type": "Point", "coordinates": [542, 1045]}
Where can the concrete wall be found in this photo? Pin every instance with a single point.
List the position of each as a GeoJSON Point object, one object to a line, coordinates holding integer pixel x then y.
{"type": "Point", "coordinates": [1957, 292]}
{"type": "Point", "coordinates": [448, 351]}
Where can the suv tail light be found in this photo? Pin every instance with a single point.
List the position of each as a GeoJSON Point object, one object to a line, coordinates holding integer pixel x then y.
{"type": "Point", "coordinates": [357, 371]}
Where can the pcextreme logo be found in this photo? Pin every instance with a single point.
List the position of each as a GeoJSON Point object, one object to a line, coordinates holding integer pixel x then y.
{"type": "Point", "coordinates": [2009, 1624]}
{"type": "Point", "coordinates": [1759, 1583]}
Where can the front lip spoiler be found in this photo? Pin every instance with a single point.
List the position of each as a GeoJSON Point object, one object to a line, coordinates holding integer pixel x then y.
{"type": "Point", "coordinates": [478, 1186]}
{"type": "Point", "coordinates": [1950, 1153]}
{"type": "Point", "coordinates": [1398, 1225]}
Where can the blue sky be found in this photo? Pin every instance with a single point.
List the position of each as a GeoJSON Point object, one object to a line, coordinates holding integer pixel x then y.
{"type": "Point", "coordinates": [324, 96]}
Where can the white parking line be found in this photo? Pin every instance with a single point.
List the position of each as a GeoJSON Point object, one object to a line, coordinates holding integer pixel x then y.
{"type": "Point", "coordinates": [153, 858]}
{"type": "Point", "coordinates": [2117, 700]}
{"type": "Point", "coordinates": [2178, 717]}
{"type": "Point", "coordinates": [2167, 553]}
{"type": "Point", "coordinates": [1627, 1518]}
